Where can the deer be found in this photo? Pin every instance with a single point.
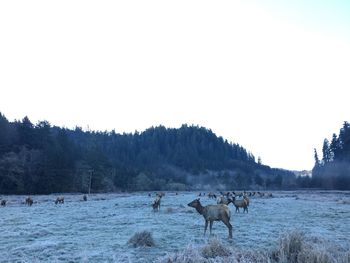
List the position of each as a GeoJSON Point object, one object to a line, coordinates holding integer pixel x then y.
{"type": "Point", "coordinates": [29, 201]}
{"type": "Point", "coordinates": [59, 200]}
{"type": "Point", "coordinates": [213, 213]}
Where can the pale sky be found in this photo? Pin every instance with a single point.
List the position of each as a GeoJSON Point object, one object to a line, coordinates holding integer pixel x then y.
{"type": "Point", "coordinates": [270, 75]}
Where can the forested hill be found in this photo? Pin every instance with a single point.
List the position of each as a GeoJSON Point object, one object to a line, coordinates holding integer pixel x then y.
{"type": "Point", "coordinates": [47, 159]}
{"type": "Point", "coordinates": [333, 170]}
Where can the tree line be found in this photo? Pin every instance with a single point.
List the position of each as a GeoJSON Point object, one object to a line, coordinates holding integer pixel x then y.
{"type": "Point", "coordinates": [41, 159]}
{"type": "Point", "coordinates": [333, 170]}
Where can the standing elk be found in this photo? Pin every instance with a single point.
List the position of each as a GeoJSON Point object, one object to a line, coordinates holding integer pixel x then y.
{"type": "Point", "coordinates": [3, 203]}
{"type": "Point", "coordinates": [29, 201]}
{"type": "Point", "coordinates": [156, 203]}
{"type": "Point", "coordinates": [224, 200]}
{"type": "Point", "coordinates": [244, 203]}
{"type": "Point", "coordinates": [213, 213]}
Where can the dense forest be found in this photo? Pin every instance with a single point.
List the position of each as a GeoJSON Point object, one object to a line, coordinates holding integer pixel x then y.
{"type": "Point", "coordinates": [333, 170]}
{"type": "Point", "coordinates": [47, 159]}
{"type": "Point", "coordinates": [41, 159]}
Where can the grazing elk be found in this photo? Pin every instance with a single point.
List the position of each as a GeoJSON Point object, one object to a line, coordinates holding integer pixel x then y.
{"type": "Point", "coordinates": [244, 203]}
{"type": "Point", "coordinates": [59, 200]}
{"type": "Point", "coordinates": [29, 201]}
{"type": "Point", "coordinates": [213, 213]}
{"type": "Point", "coordinates": [3, 203]}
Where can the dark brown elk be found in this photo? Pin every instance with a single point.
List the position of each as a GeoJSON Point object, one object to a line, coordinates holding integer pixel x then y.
{"type": "Point", "coordinates": [3, 203]}
{"type": "Point", "coordinates": [59, 200]}
{"type": "Point", "coordinates": [29, 201]}
{"type": "Point", "coordinates": [84, 198]}
{"type": "Point", "coordinates": [213, 213]}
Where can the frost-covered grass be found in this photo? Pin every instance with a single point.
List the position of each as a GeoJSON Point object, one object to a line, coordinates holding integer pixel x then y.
{"type": "Point", "coordinates": [98, 230]}
{"type": "Point", "coordinates": [293, 247]}
{"type": "Point", "coordinates": [215, 249]}
{"type": "Point", "coordinates": [142, 239]}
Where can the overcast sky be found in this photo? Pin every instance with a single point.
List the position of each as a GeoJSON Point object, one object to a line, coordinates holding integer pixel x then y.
{"type": "Point", "coordinates": [272, 76]}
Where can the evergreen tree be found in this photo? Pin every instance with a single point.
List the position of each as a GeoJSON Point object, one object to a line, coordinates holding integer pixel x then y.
{"type": "Point", "coordinates": [334, 147]}
{"type": "Point", "coordinates": [317, 160]}
{"type": "Point", "coordinates": [326, 152]}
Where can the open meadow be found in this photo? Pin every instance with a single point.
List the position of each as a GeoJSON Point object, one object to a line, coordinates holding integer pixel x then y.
{"type": "Point", "coordinates": [98, 230]}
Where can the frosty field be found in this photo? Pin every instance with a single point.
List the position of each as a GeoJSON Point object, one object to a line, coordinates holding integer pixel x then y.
{"type": "Point", "coordinates": [98, 230]}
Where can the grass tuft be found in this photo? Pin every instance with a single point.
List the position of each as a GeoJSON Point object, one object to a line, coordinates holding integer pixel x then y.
{"type": "Point", "coordinates": [215, 249]}
{"type": "Point", "coordinates": [293, 247]}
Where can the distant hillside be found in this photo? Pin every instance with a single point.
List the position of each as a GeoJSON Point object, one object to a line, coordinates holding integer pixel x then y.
{"type": "Point", "coordinates": [44, 159]}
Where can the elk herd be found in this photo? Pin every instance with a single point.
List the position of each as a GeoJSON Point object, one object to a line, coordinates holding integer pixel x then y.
{"type": "Point", "coordinates": [29, 201]}
{"type": "Point", "coordinates": [218, 211]}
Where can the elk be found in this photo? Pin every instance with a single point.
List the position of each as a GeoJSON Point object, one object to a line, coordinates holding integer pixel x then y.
{"type": "Point", "coordinates": [156, 203]}
{"type": "Point", "coordinates": [29, 201]}
{"type": "Point", "coordinates": [261, 194]}
{"type": "Point", "coordinates": [244, 203]}
{"type": "Point", "coordinates": [59, 200]}
{"type": "Point", "coordinates": [84, 198]}
{"type": "Point", "coordinates": [213, 213]}
{"type": "Point", "coordinates": [3, 203]}
{"type": "Point", "coordinates": [211, 195]}
{"type": "Point", "coordinates": [224, 200]}
{"type": "Point", "coordinates": [161, 194]}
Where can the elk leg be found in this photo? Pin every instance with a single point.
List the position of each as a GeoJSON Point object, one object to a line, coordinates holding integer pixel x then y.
{"type": "Point", "coordinates": [226, 221]}
{"type": "Point", "coordinates": [206, 226]}
{"type": "Point", "coordinates": [211, 226]}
